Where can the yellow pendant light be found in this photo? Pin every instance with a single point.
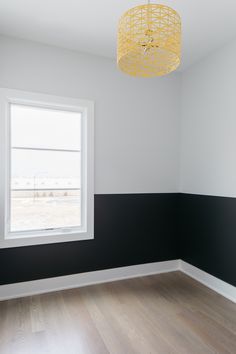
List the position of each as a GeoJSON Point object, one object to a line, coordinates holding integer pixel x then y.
{"type": "Point", "coordinates": [149, 40]}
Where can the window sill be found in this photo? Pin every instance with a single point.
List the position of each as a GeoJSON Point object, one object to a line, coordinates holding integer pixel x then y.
{"type": "Point", "coordinates": [46, 239]}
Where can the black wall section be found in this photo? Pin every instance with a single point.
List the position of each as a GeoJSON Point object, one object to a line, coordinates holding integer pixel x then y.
{"type": "Point", "coordinates": [129, 229]}
{"type": "Point", "coordinates": [135, 229]}
{"type": "Point", "coordinates": [208, 234]}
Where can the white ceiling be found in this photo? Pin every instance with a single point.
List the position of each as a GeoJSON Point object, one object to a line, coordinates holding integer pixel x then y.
{"type": "Point", "coordinates": [91, 25]}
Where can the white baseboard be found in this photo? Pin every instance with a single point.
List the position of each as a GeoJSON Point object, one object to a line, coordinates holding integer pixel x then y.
{"type": "Point", "coordinates": [221, 287]}
{"type": "Point", "coordinates": [41, 286]}
{"type": "Point", "coordinates": [16, 290]}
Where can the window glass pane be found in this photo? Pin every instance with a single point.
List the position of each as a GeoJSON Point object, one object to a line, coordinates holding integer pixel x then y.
{"type": "Point", "coordinates": [45, 184]}
{"type": "Point", "coordinates": [45, 128]}
{"type": "Point", "coordinates": [44, 209]}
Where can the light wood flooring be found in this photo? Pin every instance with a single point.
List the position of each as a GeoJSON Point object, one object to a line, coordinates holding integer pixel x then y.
{"type": "Point", "coordinates": [166, 313]}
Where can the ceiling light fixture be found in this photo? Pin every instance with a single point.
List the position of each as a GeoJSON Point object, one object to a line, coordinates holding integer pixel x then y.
{"type": "Point", "coordinates": [149, 40]}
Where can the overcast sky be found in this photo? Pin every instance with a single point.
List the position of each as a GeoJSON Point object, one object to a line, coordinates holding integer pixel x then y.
{"type": "Point", "coordinates": [44, 128]}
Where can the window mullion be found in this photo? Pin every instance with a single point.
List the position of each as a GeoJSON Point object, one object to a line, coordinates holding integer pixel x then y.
{"type": "Point", "coordinates": [43, 149]}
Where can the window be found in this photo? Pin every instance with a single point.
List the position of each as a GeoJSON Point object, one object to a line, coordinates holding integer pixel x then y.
{"type": "Point", "coordinates": [47, 175]}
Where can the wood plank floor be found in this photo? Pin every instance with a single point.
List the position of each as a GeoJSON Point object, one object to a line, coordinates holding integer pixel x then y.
{"type": "Point", "coordinates": [167, 313]}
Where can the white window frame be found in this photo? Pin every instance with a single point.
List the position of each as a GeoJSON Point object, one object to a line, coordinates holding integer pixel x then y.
{"type": "Point", "coordinates": [86, 108]}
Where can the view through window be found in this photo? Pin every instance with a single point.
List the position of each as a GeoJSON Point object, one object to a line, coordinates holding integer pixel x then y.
{"type": "Point", "coordinates": [45, 168]}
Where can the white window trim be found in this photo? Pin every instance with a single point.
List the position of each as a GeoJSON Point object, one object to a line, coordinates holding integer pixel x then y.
{"type": "Point", "coordinates": [8, 96]}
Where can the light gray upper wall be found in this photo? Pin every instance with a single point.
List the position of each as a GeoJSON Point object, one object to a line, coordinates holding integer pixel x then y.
{"type": "Point", "coordinates": [136, 120]}
{"type": "Point", "coordinates": [208, 127]}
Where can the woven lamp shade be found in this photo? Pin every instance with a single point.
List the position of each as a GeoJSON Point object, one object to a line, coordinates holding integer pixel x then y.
{"type": "Point", "coordinates": [149, 41]}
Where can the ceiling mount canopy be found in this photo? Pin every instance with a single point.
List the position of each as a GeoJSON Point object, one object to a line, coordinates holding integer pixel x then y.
{"type": "Point", "coordinates": [149, 40]}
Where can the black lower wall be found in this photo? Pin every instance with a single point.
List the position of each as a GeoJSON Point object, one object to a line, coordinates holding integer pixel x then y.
{"type": "Point", "coordinates": [129, 229]}
{"type": "Point", "coordinates": [207, 234]}
{"type": "Point", "coordinates": [134, 229]}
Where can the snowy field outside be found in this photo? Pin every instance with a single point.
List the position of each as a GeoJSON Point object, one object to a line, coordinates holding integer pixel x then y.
{"type": "Point", "coordinates": [40, 207]}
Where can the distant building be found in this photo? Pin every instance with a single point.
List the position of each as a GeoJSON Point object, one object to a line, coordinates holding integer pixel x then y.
{"type": "Point", "coordinates": [38, 187]}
